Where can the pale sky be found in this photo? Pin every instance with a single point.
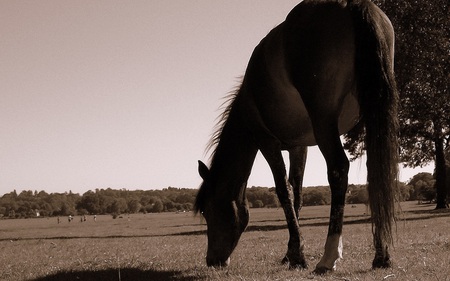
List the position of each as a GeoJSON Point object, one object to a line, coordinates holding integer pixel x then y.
{"type": "Point", "coordinates": [124, 94]}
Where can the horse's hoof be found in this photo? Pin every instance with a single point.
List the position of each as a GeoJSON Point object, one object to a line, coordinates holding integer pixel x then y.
{"type": "Point", "coordinates": [217, 263]}
{"type": "Point", "coordinates": [381, 263]}
{"type": "Point", "coordinates": [322, 270]}
{"type": "Point", "coordinates": [300, 264]}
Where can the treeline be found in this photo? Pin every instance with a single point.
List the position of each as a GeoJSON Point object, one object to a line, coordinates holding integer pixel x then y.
{"type": "Point", "coordinates": [99, 202]}
{"type": "Point", "coordinates": [421, 188]}
{"type": "Point", "coordinates": [109, 201]}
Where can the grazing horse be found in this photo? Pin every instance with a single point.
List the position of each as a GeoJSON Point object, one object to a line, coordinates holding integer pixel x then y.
{"type": "Point", "coordinates": [314, 77]}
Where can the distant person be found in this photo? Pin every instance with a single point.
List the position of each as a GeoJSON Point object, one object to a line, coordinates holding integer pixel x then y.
{"type": "Point", "coordinates": [95, 217]}
{"type": "Point", "coordinates": [59, 220]}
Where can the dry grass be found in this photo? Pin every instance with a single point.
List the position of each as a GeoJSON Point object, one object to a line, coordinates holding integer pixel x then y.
{"type": "Point", "coordinates": [172, 247]}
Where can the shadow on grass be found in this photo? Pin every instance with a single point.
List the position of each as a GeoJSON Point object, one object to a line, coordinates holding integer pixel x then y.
{"type": "Point", "coordinates": [274, 227]}
{"type": "Point", "coordinates": [277, 224]}
{"type": "Point", "coordinates": [349, 220]}
{"type": "Point", "coordinates": [432, 212]}
{"type": "Point", "coordinates": [126, 274]}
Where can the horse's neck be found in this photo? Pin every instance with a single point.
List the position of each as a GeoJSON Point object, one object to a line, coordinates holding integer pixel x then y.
{"type": "Point", "coordinates": [234, 155]}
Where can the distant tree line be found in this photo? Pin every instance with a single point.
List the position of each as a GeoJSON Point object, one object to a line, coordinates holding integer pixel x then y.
{"type": "Point", "coordinates": [101, 201]}
{"type": "Point", "coordinates": [109, 201]}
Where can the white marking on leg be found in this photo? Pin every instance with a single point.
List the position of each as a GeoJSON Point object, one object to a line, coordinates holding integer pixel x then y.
{"type": "Point", "coordinates": [333, 252]}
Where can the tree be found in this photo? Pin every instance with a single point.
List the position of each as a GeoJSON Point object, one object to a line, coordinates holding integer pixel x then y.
{"type": "Point", "coordinates": [188, 206]}
{"type": "Point", "coordinates": [134, 206]}
{"type": "Point", "coordinates": [422, 70]}
{"type": "Point", "coordinates": [313, 196]}
{"type": "Point", "coordinates": [358, 196]}
{"type": "Point", "coordinates": [423, 186]}
{"type": "Point", "coordinates": [158, 206]}
{"type": "Point", "coordinates": [90, 202]}
{"type": "Point", "coordinates": [266, 195]}
{"type": "Point", "coordinates": [67, 209]}
{"type": "Point", "coordinates": [426, 191]}
{"type": "Point", "coordinates": [258, 204]}
{"type": "Point", "coordinates": [405, 191]}
{"type": "Point", "coordinates": [118, 206]}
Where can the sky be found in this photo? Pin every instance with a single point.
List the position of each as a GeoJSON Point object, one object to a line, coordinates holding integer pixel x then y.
{"type": "Point", "coordinates": [125, 94]}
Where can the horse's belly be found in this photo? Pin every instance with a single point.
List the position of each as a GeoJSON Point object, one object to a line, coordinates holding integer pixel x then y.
{"type": "Point", "coordinates": [288, 120]}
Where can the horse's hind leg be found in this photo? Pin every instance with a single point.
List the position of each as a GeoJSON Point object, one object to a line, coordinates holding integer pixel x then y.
{"type": "Point", "coordinates": [337, 166]}
{"type": "Point", "coordinates": [272, 153]}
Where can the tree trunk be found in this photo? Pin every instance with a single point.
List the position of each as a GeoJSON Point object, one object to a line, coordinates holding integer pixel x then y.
{"type": "Point", "coordinates": [447, 179]}
{"type": "Point", "coordinates": [441, 188]}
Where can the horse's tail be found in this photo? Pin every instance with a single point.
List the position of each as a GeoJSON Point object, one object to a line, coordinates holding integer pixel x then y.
{"type": "Point", "coordinates": [378, 99]}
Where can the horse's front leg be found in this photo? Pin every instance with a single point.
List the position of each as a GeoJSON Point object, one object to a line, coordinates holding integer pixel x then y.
{"type": "Point", "coordinates": [297, 159]}
{"type": "Point", "coordinates": [294, 255]}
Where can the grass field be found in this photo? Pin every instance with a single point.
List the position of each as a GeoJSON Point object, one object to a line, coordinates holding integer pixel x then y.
{"type": "Point", "coordinates": [171, 246]}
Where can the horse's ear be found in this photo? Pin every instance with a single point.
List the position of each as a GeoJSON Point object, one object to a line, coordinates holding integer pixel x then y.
{"type": "Point", "coordinates": [203, 170]}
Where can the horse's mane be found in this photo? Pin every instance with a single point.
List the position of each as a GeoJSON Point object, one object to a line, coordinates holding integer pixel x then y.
{"type": "Point", "coordinates": [226, 107]}
{"type": "Point", "coordinates": [221, 120]}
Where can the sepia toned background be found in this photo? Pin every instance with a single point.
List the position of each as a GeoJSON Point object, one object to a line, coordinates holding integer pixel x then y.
{"type": "Point", "coordinates": [122, 94]}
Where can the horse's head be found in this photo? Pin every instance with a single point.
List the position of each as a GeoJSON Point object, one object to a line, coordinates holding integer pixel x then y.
{"type": "Point", "coordinates": [226, 213]}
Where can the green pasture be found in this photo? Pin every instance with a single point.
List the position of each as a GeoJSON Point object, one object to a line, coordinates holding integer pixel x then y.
{"type": "Point", "coordinates": [171, 246]}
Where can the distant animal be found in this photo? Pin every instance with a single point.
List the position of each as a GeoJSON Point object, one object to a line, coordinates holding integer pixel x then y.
{"type": "Point", "coordinates": [314, 77]}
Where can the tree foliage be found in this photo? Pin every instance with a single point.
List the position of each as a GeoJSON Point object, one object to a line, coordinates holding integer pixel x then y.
{"type": "Point", "coordinates": [259, 197]}
{"type": "Point", "coordinates": [422, 187]}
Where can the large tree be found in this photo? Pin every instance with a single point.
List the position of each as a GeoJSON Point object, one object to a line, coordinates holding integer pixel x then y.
{"type": "Point", "coordinates": [422, 69]}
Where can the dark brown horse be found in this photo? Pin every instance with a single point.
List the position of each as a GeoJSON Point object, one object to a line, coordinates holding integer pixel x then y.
{"type": "Point", "coordinates": [327, 67]}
